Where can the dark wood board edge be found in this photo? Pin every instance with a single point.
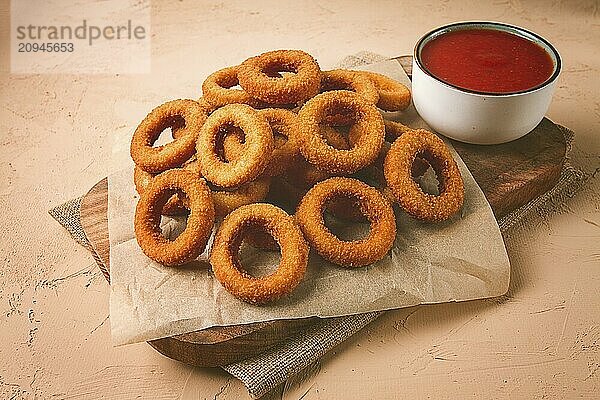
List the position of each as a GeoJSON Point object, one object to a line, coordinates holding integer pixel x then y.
{"type": "Point", "coordinates": [230, 350]}
{"type": "Point", "coordinates": [93, 216]}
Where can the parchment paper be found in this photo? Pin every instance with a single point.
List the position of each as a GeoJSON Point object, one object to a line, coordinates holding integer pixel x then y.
{"type": "Point", "coordinates": [460, 259]}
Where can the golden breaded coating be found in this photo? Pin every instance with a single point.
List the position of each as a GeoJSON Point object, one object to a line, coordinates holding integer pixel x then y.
{"type": "Point", "coordinates": [286, 151]}
{"type": "Point", "coordinates": [257, 149]}
{"type": "Point", "coordinates": [398, 169]}
{"type": "Point", "coordinates": [325, 157]}
{"type": "Point", "coordinates": [373, 206]}
{"type": "Point", "coordinates": [256, 76]}
{"type": "Point", "coordinates": [178, 203]}
{"type": "Point", "coordinates": [343, 79]}
{"type": "Point", "coordinates": [192, 241]}
{"type": "Point", "coordinates": [393, 95]}
{"type": "Point", "coordinates": [303, 175]}
{"type": "Point", "coordinates": [227, 266]}
{"type": "Point", "coordinates": [225, 200]}
{"type": "Point", "coordinates": [218, 89]}
{"type": "Point", "coordinates": [287, 145]}
{"type": "Point", "coordinates": [367, 120]}
{"type": "Point", "coordinates": [394, 129]}
{"type": "Point", "coordinates": [175, 153]}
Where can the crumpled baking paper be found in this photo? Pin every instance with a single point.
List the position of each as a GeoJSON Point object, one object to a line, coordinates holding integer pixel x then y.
{"type": "Point", "coordinates": [463, 258]}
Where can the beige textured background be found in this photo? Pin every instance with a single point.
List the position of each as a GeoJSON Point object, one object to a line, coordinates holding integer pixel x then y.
{"type": "Point", "coordinates": [540, 341]}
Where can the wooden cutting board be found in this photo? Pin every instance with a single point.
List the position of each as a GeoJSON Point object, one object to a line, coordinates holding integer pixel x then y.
{"type": "Point", "coordinates": [509, 174]}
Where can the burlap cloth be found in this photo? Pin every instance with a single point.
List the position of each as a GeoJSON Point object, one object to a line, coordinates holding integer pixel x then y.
{"type": "Point", "coordinates": [262, 373]}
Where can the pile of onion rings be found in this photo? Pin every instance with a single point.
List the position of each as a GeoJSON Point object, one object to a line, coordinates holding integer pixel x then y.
{"type": "Point", "coordinates": [273, 145]}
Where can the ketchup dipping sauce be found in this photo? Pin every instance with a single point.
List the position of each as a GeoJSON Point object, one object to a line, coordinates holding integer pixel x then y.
{"type": "Point", "coordinates": [487, 61]}
{"type": "Point", "coordinates": [483, 82]}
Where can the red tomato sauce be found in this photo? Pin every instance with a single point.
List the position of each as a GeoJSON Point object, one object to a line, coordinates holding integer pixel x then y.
{"type": "Point", "coordinates": [486, 60]}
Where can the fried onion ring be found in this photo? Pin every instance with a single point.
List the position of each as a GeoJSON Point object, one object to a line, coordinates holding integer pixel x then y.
{"type": "Point", "coordinates": [398, 167]}
{"type": "Point", "coordinates": [393, 130]}
{"type": "Point", "coordinates": [176, 203]}
{"type": "Point", "coordinates": [372, 204]}
{"type": "Point", "coordinates": [192, 241]}
{"type": "Point", "coordinates": [175, 153]}
{"type": "Point", "coordinates": [343, 79]}
{"type": "Point", "coordinates": [286, 151]}
{"type": "Point", "coordinates": [227, 267]}
{"type": "Point", "coordinates": [218, 90]}
{"type": "Point", "coordinates": [393, 95]}
{"type": "Point", "coordinates": [257, 150]}
{"type": "Point", "coordinates": [207, 109]}
{"type": "Point", "coordinates": [367, 119]}
{"type": "Point", "coordinates": [304, 83]}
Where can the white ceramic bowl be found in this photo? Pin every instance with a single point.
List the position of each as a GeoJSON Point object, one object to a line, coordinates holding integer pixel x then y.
{"type": "Point", "coordinates": [474, 117]}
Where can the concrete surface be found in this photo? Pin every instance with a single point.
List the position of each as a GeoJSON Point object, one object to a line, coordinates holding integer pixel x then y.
{"type": "Point", "coordinates": [540, 341]}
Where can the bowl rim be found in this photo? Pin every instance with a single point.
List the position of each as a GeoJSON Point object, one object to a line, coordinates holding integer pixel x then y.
{"type": "Point", "coordinates": [491, 24]}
